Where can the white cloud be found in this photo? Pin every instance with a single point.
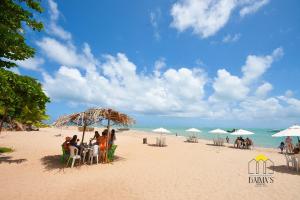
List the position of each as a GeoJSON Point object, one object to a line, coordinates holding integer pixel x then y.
{"type": "Point", "coordinates": [158, 65]}
{"type": "Point", "coordinates": [207, 17]}
{"type": "Point", "coordinates": [252, 6]}
{"type": "Point", "coordinates": [117, 84]}
{"type": "Point", "coordinates": [263, 90]}
{"type": "Point", "coordinates": [228, 87]}
{"type": "Point", "coordinates": [66, 53]}
{"type": "Point", "coordinates": [154, 20]}
{"type": "Point", "coordinates": [31, 63]}
{"type": "Point", "coordinates": [231, 38]}
{"type": "Point", "coordinates": [256, 66]}
{"type": "Point", "coordinates": [53, 27]}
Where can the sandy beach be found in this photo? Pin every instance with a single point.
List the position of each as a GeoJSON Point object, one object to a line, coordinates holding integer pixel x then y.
{"type": "Point", "coordinates": [179, 171]}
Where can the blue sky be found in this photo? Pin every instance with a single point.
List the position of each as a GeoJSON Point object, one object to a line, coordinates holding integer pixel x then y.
{"type": "Point", "coordinates": [174, 63]}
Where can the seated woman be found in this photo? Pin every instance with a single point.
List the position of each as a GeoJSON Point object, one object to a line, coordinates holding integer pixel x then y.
{"type": "Point", "coordinates": [73, 142]}
{"type": "Point", "coordinates": [66, 145]}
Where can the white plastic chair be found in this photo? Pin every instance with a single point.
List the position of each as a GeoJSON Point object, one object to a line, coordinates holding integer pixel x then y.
{"type": "Point", "coordinates": [289, 159]}
{"type": "Point", "coordinates": [94, 153]}
{"type": "Point", "coordinates": [297, 161]}
{"type": "Point", "coordinates": [163, 141]}
{"type": "Point", "coordinates": [157, 141]}
{"type": "Point", "coordinates": [73, 155]}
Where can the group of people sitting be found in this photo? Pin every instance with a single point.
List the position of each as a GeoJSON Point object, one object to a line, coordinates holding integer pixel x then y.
{"type": "Point", "coordinates": [242, 143]}
{"type": "Point", "coordinates": [289, 146]}
{"type": "Point", "coordinates": [101, 140]}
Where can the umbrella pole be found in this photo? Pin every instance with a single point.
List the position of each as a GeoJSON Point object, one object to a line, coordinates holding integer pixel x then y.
{"type": "Point", "coordinates": [84, 128]}
{"type": "Point", "coordinates": [107, 141]}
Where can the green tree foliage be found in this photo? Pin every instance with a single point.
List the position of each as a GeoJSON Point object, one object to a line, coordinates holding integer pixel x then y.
{"type": "Point", "coordinates": [13, 15]}
{"type": "Point", "coordinates": [21, 99]}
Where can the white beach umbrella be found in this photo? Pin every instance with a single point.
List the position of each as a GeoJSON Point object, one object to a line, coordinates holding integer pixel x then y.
{"type": "Point", "coordinates": [161, 130]}
{"type": "Point", "coordinates": [291, 131]}
{"type": "Point", "coordinates": [193, 130]}
{"type": "Point", "coordinates": [241, 132]}
{"type": "Point", "coordinates": [218, 131]}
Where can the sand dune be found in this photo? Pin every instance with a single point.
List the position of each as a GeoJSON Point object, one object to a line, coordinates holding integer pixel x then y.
{"type": "Point", "coordinates": [179, 171]}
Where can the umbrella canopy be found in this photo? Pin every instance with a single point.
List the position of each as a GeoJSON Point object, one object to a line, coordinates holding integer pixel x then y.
{"type": "Point", "coordinates": [218, 131]}
{"type": "Point", "coordinates": [161, 130]}
{"type": "Point", "coordinates": [194, 130]}
{"type": "Point", "coordinates": [291, 131]}
{"type": "Point", "coordinates": [242, 132]}
{"type": "Point", "coordinates": [93, 116]}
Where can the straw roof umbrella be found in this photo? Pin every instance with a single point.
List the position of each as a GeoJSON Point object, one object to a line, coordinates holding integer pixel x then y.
{"type": "Point", "coordinates": [93, 116]}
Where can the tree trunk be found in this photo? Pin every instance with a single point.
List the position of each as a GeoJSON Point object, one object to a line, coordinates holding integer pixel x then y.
{"type": "Point", "coordinates": [2, 120]}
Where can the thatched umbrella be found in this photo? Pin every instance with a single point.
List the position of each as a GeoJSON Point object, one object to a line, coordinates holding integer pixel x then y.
{"type": "Point", "coordinates": [93, 116]}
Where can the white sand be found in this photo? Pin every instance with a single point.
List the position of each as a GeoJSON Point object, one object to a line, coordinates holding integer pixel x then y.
{"type": "Point", "coordinates": [179, 171]}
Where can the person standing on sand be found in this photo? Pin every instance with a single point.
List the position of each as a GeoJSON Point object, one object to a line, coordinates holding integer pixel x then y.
{"type": "Point", "coordinates": [289, 144]}
{"type": "Point", "coordinates": [227, 139]}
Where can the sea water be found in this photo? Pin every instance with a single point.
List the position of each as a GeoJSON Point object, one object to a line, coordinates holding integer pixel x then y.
{"type": "Point", "coordinates": [261, 137]}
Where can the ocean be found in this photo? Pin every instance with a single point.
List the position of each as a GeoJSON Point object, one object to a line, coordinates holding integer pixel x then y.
{"type": "Point", "coordinates": [261, 138]}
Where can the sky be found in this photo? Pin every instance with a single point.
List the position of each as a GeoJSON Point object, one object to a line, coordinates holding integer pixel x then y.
{"type": "Point", "coordinates": [179, 63]}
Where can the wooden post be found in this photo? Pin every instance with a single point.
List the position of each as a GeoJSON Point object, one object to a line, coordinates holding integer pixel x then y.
{"type": "Point", "coordinates": [108, 137]}
{"type": "Point", "coordinates": [84, 128]}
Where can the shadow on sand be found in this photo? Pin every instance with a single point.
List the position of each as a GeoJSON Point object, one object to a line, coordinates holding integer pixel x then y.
{"type": "Point", "coordinates": [284, 169]}
{"type": "Point", "coordinates": [53, 162]}
{"type": "Point", "coordinates": [9, 160]}
{"type": "Point", "coordinates": [214, 145]}
{"type": "Point", "coordinates": [154, 145]}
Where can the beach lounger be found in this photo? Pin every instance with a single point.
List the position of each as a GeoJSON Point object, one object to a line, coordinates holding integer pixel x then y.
{"type": "Point", "coordinates": [73, 155]}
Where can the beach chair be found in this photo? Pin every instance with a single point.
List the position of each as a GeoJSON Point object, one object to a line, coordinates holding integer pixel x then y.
{"type": "Point", "coordinates": [289, 159]}
{"type": "Point", "coordinates": [163, 142]}
{"type": "Point", "coordinates": [94, 153]}
{"type": "Point", "coordinates": [157, 141]}
{"type": "Point", "coordinates": [64, 155]}
{"type": "Point", "coordinates": [111, 153]}
{"type": "Point", "coordinates": [73, 155]}
{"type": "Point", "coordinates": [297, 161]}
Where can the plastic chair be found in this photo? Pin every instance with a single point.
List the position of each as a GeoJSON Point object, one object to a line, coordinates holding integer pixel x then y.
{"type": "Point", "coordinates": [94, 153]}
{"type": "Point", "coordinates": [289, 159]}
{"type": "Point", "coordinates": [73, 155]}
{"type": "Point", "coordinates": [297, 161]}
{"type": "Point", "coordinates": [111, 152]}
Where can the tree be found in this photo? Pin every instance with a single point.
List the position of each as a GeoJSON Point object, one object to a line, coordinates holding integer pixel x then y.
{"type": "Point", "coordinates": [13, 16]}
{"type": "Point", "coordinates": [21, 99]}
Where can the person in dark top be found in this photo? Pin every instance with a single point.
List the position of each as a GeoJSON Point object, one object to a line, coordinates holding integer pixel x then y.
{"type": "Point", "coordinates": [281, 146]}
{"type": "Point", "coordinates": [73, 142]}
